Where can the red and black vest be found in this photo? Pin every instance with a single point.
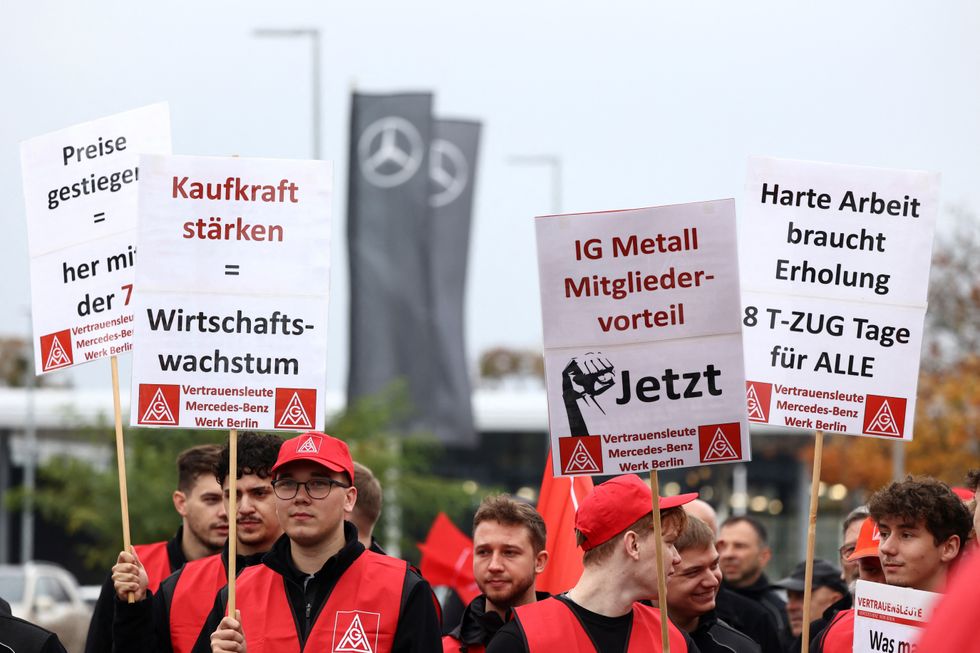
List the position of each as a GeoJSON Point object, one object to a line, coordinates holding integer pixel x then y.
{"type": "Point", "coordinates": [361, 612]}
{"type": "Point", "coordinates": [155, 561]}
{"type": "Point", "coordinates": [838, 637]}
{"type": "Point", "coordinates": [193, 599]}
{"type": "Point", "coordinates": [550, 626]}
{"type": "Point", "coordinates": [452, 645]}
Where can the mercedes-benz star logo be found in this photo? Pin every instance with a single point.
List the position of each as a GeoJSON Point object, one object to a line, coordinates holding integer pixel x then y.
{"type": "Point", "coordinates": [390, 151]}
{"type": "Point", "coordinates": [447, 171]}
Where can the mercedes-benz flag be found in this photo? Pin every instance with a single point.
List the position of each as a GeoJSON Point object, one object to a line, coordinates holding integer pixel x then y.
{"type": "Point", "coordinates": [387, 226]}
{"type": "Point", "coordinates": [452, 171]}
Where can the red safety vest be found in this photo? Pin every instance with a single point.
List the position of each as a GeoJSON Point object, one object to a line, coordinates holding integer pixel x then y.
{"type": "Point", "coordinates": [452, 645]}
{"type": "Point", "coordinates": [155, 561]}
{"type": "Point", "coordinates": [551, 626]}
{"type": "Point", "coordinates": [839, 636]}
{"type": "Point", "coordinates": [361, 613]}
{"type": "Point", "coordinates": [193, 599]}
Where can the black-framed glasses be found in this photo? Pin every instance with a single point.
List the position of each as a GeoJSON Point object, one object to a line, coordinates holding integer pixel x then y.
{"type": "Point", "coordinates": [316, 488]}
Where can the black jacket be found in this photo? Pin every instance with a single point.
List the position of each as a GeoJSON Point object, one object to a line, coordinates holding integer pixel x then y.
{"type": "Point", "coordinates": [749, 617]}
{"type": "Point", "coordinates": [761, 591]}
{"type": "Point", "coordinates": [100, 628]}
{"type": "Point", "coordinates": [478, 626]}
{"type": "Point", "coordinates": [24, 637]}
{"type": "Point", "coordinates": [418, 625]}
{"type": "Point", "coordinates": [715, 636]}
{"type": "Point", "coordinates": [144, 626]}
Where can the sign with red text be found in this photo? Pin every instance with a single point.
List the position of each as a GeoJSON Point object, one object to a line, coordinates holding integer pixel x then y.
{"type": "Point", "coordinates": [231, 314]}
{"type": "Point", "coordinates": [80, 199]}
{"type": "Point", "coordinates": [642, 343]}
{"type": "Point", "coordinates": [890, 618]}
{"type": "Point", "coordinates": [835, 272]}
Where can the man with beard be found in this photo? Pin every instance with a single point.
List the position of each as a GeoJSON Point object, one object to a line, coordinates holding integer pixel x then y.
{"type": "Point", "coordinates": [508, 554]}
{"type": "Point", "coordinates": [203, 531]}
{"type": "Point", "coordinates": [170, 620]}
{"type": "Point", "coordinates": [851, 528]}
{"type": "Point", "coordinates": [615, 528]}
{"type": "Point", "coordinates": [692, 590]}
{"type": "Point", "coordinates": [744, 549]}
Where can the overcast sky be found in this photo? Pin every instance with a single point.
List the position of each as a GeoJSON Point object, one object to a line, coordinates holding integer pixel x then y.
{"type": "Point", "coordinates": [646, 103]}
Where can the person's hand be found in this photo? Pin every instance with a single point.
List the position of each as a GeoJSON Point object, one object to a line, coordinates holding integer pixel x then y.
{"type": "Point", "coordinates": [229, 637]}
{"type": "Point", "coordinates": [588, 376]}
{"type": "Point", "coordinates": [129, 577]}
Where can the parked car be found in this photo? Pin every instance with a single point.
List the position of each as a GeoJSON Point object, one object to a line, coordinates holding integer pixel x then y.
{"type": "Point", "coordinates": [47, 595]}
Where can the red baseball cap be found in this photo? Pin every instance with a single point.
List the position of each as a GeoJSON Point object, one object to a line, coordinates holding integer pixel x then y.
{"type": "Point", "coordinates": [616, 504]}
{"type": "Point", "coordinates": [868, 539]}
{"type": "Point", "coordinates": [319, 448]}
{"type": "Point", "coordinates": [964, 493]}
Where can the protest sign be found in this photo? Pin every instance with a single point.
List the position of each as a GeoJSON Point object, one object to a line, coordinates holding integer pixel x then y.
{"type": "Point", "coordinates": [231, 313]}
{"type": "Point", "coordinates": [643, 354]}
{"type": "Point", "coordinates": [889, 619]}
{"type": "Point", "coordinates": [80, 192]}
{"type": "Point", "coordinates": [835, 271]}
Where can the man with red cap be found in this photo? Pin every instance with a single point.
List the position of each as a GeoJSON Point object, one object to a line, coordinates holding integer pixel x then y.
{"type": "Point", "coordinates": [602, 613]}
{"type": "Point", "coordinates": [318, 589]}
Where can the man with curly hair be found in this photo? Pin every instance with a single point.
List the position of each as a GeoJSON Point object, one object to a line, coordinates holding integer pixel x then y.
{"type": "Point", "coordinates": [171, 619]}
{"type": "Point", "coordinates": [922, 526]}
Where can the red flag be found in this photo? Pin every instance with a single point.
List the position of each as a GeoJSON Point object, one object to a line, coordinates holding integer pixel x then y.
{"type": "Point", "coordinates": [447, 558]}
{"type": "Point", "coordinates": [557, 503]}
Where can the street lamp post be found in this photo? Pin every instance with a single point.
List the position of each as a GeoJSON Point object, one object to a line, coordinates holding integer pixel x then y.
{"type": "Point", "coordinates": [314, 35]}
{"type": "Point", "coordinates": [551, 161]}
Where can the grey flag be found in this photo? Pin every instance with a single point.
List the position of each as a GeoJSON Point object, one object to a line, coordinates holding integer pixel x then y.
{"type": "Point", "coordinates": [387, 224]}
{"type": "Point", "coordinates": [452, 171]}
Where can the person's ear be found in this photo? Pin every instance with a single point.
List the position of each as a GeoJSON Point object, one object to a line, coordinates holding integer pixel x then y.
{"type": "Point", "coordinates": [949, 549]}
{"type": "Point", "coordinates": [180, 503]}
{"type": "Point", "coordinates": [540, 561]}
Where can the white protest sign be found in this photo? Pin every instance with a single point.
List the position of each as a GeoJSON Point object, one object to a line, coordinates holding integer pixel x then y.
{"type": "Point", "coordinates": [835, 272]}
{"type": "Point", "coordinates": [643, 351]}
{"type": "Point", "coordinates": [80, 193]}
{"type": "Point", "coordinates": [231, 313]}
{"type": "Point", "coordinates": [889, 619]}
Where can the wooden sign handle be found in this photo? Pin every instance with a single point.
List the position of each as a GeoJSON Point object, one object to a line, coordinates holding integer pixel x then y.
{"type": "Point", "coordinates": [232, 517]}
{"type": "Point", "coordinates": [811, 534]}
{"type": "Point", "coordinates": [121, 461]}
{"type": "Point", "coordinates": [661, 581]}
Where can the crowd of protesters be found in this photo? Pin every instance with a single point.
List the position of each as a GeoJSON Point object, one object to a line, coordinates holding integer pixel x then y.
{"type": "Point", "coordinates": [311, 576]}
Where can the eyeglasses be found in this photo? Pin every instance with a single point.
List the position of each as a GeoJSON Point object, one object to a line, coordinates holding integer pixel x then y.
{"type": "Point", "coordinates": [317, 488]}
{"type": "Point", "coordinates": [847, 550]}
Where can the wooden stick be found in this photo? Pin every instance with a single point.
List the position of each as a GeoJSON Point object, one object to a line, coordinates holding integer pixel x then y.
{"type": "Point", "coordinates": [232, 517]}
{"type": "Point", "coordinates": [811, 534]}
{"type": "Point", "coordinates": [121, 461]}
{"type": "Point", "coordinates": [661, 581]}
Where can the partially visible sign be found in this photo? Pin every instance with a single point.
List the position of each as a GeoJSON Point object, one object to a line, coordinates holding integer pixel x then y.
{"type": "Point", "coordinates": [643, 353]}
{"type": "Point", "coordinates": [835, 272]}
{"type": "Point", "coordinates": [889, 619]}
{"type": "Point", "coordinates": [231, 314]}
{"type": "Point", "coordinates": [80, 198]}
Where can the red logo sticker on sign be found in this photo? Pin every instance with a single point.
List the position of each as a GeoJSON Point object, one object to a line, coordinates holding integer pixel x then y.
{"type": "Point", "coordinates": [295, 408]}
{"type": "Point", "coordinates": [884, 416]}
{"type": "Point", "coordinates": [758, 396]}
{"type": "Point", "coordinates": [159, 404]}
{"type": "Point", "coordinates": [580, 455]}
{"type": "Point", "coordinates": [720, 442]}
{"type": "Point", "coordinates": [360, 632]}
{"type": "Point", "coordinates": [56, 350]}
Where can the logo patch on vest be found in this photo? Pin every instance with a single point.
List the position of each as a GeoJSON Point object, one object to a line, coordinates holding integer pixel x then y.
{"type": "Point", "coordinates": [360, 632]}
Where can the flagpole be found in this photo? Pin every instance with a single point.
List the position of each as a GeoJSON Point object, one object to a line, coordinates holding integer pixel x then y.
{"type": "Point", "coordinates": [810, 539]}
{"type": "Point", "coordinates": [661, 581]}
{"type": "Point", "coordinates": [121, 461]}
